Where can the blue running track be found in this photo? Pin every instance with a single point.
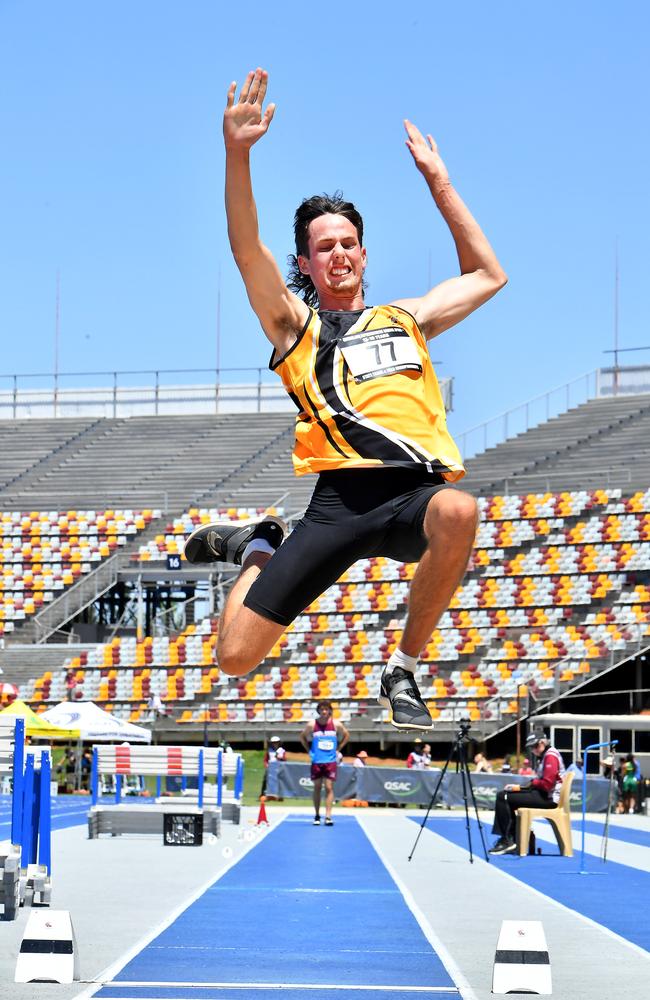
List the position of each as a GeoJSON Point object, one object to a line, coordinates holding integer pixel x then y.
{"type": "Point", "coordinates": [305, 907]}
{"type": "Point", "coordinates": [67, 811]}
{"type": "Point", "coordinates": [613, 895]}
{"type": "Point", "coordinates": [628, 835]}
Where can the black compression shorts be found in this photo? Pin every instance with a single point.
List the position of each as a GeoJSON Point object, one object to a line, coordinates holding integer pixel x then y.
{"type": "Point", "coordinates": [353, 514]}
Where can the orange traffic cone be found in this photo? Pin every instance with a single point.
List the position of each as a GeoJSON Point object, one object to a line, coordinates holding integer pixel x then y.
{"type": "Point", "coordinates": [261, 816]}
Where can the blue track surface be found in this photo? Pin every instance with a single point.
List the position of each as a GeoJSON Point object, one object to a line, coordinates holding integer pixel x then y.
{"type": "Point", "coordinates": [624, 834]}
{"type": "Point", "coordinates": [306, 906]}
{"type": "Point", "coordinates": [66, 811]}
{"type": "Point", "coordinates": [230, 993]}
{"type": "Point", "coordinates": [615, 895]}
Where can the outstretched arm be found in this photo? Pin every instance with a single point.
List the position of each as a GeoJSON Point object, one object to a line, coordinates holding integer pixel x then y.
{"type": "Point", "coordinates": [281, 313]}
{"type": "Point", "coordinates": [481, 275]}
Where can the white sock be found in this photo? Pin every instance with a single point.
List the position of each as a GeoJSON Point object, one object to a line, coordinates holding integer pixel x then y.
{"type": "Point", "coordinates": [403, 660]}
{"type": "Point", "coordinates": [257, 545]}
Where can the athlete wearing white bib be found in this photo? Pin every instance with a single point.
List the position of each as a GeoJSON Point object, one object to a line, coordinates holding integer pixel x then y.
{"type": "Point", "coordinates": [370, 417]}
{"type": "Point", "coordinates": [323, 739]}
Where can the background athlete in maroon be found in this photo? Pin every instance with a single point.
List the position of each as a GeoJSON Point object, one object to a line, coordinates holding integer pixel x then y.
{"type": "Point", "coordinates": [323, 739]}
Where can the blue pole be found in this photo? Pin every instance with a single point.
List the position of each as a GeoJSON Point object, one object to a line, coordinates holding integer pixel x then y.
{"type": "Point", "coordinates": [118, 789]}
{"type": "Point", "coordinates": [158, 786]}
{"type": "Point", "coordinates": [27, 806]}
{"type": "Point", "coordinates": [35, 815]}
{"type": "Point", "coordinates": [239, 778]}
{"type": "Point", "coordinates": [17, 783]}
{"type": "Point", "coordinates": [45, 816]}
{"type": "Point", "coordinates": [219, 776]}
{"type": "Point", "coordinates": [94, 777]}
{"type": "Point", "coordinates": [200, 779]}
{"type": "Point", "coordinates": [183, 782]}
{"type": "Point", "coordinates": [593, 746]}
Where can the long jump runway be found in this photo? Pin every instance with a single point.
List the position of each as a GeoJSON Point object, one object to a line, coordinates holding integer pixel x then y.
{"type": "Point", "coordinates": [307, 913]}
{"type": "Point", "coordinates": [613, 895]}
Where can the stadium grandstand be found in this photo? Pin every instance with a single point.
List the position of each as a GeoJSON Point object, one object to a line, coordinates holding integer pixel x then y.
{"type": "Point", "coordinates": [98, 603]}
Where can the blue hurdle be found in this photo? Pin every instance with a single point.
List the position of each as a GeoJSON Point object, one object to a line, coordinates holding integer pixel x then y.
{"type": "Point", "coordinates": [31, 821]}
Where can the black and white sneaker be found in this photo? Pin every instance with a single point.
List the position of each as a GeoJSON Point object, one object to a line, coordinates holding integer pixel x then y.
{"type": "Point", "coordinates": [316, 821]}
{"type": "Point", "coordinates": [400, 693]}
{"type": "Point", "coordinates": [503, 846]}
{"type": "Point", "coordinates": [225, 541]}
{"type": "Point", "coordinates": [328, 821]}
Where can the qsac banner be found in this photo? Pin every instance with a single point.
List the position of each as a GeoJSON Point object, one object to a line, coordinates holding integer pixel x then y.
{"type": "Point", "coordinates": [292, 780]}
{"type": "Point", "coordinates": [486, 786]}
{"type": "Point", "coordinates": [398, 784]}
{"type": "Point", "coordinates": [401, 784]}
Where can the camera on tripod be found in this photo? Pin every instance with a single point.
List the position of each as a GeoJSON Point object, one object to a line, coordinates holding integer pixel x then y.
{"type": "Point", "coordinates": [459, 752]}
{"type": "Point", "coordinates": [464, 726]}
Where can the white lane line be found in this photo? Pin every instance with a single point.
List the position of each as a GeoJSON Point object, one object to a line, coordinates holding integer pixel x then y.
{"type": "Point", "coordinates": [282, 986]}
{"type": "Point", "coordinates": [549, 899]}
{"type": "Point", "coordinates": [292, 889]}
{"type": "Point", "coordinates": [441, 950]}
{"type": "Point", "coordinates": [108, 974]}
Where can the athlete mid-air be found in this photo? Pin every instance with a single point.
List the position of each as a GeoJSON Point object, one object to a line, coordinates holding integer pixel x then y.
{"type": "Point", "coordinates": [371, 420]}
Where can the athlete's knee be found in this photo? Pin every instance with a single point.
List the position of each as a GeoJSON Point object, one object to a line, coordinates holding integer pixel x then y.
{"type": "Point", "coordinates": [456, 511]}
{"type": "Point", "coordinates": [233, 660]}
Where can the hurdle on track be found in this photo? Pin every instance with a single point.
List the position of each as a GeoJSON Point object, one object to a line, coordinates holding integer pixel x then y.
{"type": "Point", "coordinates": [180, 762]}
{"type": "Point", "coordinates": [26, 870]}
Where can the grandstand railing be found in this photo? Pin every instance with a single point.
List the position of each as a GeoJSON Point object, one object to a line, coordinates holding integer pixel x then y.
{"type": "Point", "coordinates": [600, 477]}
{"type": "Point", "coordinates": [149, 392]}
{"type": "Point", "coordinates": [528, 414]}
{"type": "Point", "coordinates": [143, 392]}
{"type": "Point", "coordinates": [74, 599]}
{"type": "Point", "coordinates": [496, 708]}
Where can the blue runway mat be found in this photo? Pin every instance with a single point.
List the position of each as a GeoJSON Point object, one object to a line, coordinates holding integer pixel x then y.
{"type": "Point", "coordinates": [615, 895]}
{"type": "Point", "coordinates": [308, 905]}
{"type": "Point", "coordinates": [292, 993]}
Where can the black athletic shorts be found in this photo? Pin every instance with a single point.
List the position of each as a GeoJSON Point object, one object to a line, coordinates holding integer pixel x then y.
{"type": "Point", "coordinates": [353, 514]}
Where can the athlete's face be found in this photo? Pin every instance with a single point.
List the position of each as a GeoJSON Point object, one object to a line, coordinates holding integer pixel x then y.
{"type": "Point", "coordinates": [336, 259]}
{"type": "Point", "coordinates": [323, 715]}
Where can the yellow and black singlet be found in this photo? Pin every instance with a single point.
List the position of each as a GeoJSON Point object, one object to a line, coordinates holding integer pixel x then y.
{"type": "Point", "coordinates": [367, 394]}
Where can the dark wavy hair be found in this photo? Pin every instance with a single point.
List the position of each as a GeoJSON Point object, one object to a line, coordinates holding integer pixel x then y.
{"type": "Point", "coordinates": [308, 210]}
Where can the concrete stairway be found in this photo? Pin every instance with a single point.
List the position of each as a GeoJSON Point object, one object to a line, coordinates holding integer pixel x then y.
{"type": "Point", "coordinates": [602, 442]}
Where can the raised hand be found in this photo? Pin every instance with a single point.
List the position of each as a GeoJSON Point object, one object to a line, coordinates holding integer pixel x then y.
{"type": "Point", "coordinates": [243, 121]}
{"type": "Point", "coordinates": [425, 153]}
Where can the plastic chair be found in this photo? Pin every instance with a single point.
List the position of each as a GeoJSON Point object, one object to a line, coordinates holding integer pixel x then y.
{"type": "Point", "coordinates": [559, 818]}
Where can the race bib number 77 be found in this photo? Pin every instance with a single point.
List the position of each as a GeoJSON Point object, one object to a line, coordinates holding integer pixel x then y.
{"type": "Point", "coordinates": [373, 353]}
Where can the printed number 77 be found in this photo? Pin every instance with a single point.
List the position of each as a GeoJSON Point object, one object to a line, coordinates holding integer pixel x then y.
{"type": "Point", "coordinates": [391, 347]}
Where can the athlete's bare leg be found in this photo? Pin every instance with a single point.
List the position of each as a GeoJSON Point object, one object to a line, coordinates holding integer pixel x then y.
{"type": "Point", "coordinates": [245, 637]}
{"type": "Point", "coordinates": [318, 784]}
{"type": "Point", "coordinates": [329, 797]}
{"type": "Point", "coordinates": [450, 527]}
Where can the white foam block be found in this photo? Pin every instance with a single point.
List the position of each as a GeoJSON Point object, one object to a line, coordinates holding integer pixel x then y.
{"type": "Point", "coordinates": [48, 952]}
{"type": "Point", "coordinates": [521, 963]}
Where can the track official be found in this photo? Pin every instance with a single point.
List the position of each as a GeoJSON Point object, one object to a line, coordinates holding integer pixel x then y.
{"type": "Point", "coordinates": [542, 793]}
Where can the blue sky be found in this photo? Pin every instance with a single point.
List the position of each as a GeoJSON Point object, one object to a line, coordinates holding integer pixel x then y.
{"type": "Point", "coordinates": [112, 172]}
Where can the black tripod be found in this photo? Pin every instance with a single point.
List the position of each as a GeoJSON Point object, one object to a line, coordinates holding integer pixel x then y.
{"type": "Point", "coordinates": [458, 751]}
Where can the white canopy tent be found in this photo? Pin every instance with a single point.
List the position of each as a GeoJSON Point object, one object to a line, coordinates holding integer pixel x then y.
{"type": "Point", "coordinates": [95, 724]}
